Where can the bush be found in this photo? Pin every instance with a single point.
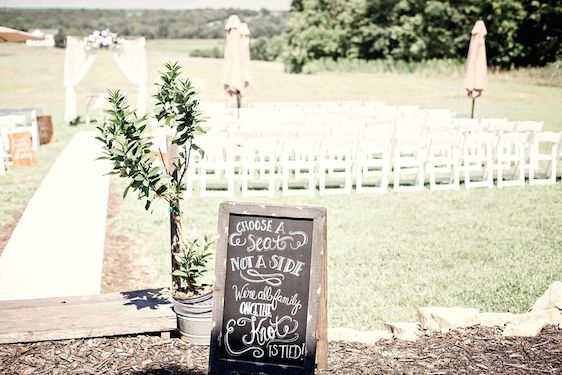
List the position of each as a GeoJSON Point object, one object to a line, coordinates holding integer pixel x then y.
{"type": "Point", "coordinates": [212, 53]}
{"type": "Point", "coordinates": [433, 67]}
{"type": "Point", "coordinates": [266, 49]}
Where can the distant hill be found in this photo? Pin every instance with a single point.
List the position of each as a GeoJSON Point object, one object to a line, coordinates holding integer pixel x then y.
{"type": "Point", "coordinates": [152, 24]}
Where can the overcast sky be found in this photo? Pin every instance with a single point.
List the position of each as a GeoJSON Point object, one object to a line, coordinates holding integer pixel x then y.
{"type": "Point", "coordinates": [148, 4]}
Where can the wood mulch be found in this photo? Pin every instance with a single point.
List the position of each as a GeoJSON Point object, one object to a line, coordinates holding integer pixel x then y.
{"type": "Point", "coordinates": [475, 350]}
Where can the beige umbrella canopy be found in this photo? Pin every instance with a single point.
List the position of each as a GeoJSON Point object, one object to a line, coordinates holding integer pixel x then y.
{"type": "Point", "coordinates": [245, 36]}
{"type": "Point", "coordinates": [476, 79]}
{"type": "Point", "coordinates": [12, 35]}
{"type": "Point", "coordinates": [236, 59]}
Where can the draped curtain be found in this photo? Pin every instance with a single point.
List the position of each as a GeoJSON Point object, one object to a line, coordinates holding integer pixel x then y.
{"type": "Point", "coordinates": [130, 56]}
{"type": "Point", "coordinates": [131, 59]}
{"type": "Point", "coordinates": [77, 61]}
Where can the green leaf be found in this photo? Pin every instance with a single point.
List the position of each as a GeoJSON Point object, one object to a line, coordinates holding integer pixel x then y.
{"type": "Point", "coordinates": [153, 171]}
{"type": "Point", "coordinates": [179, 258]}
{"type": "Point", "coordinates": [198, 130]}
{"type": "Point", "coordinates": [198, 149]}
{"type": "Point", "coordinates": [179, 273]}
{"type": "Point", "coordinates": [126, 191]}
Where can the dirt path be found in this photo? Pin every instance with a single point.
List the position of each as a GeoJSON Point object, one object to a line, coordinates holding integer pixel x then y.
{"type": "Point", "coordinates": [6, 230]}
{"type": "Point", "coordinates": [471, 351]}
{"type": "Point", "coordinates": [125, 266]}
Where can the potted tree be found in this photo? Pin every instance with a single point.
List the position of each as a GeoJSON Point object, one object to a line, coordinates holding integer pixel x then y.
{"type": "Point", "coordinates": [158, 176]}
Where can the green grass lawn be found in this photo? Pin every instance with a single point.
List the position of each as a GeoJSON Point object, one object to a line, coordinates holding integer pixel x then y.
{"type": "Point", "coordinates": [496, 250]}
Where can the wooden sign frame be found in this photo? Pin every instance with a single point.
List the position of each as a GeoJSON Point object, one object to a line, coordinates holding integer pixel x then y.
{"type": "Point", "coordinates": [316, 344]}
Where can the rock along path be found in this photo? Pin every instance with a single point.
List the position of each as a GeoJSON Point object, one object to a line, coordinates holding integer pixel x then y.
{"type": "Point", "coordinates": [56, 249]}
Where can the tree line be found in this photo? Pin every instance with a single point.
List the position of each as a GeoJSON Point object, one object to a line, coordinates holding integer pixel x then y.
{"type": "Point", "coordinates": [520, 32]}
{"type": "Point", "coordinates": [152, 24]}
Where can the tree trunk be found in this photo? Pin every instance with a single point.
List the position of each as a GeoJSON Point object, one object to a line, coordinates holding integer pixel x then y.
{"type": "Point", "coordinates": [175, 240]}
{"type": "Point", "coordinates": [175, 217]}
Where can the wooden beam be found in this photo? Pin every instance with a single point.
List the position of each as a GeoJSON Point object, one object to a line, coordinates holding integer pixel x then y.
{"type": "Point", "coordinates": [109, 314]}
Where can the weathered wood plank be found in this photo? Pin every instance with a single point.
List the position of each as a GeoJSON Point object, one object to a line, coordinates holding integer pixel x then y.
{"type": "Point", "coordinates": [109, 314]}
{"type": "Point", "coordinates": [135, 295]}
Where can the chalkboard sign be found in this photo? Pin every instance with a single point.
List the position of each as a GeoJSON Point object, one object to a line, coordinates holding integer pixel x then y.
{"type": "Point", "coordinates": [269, 290]}
{"type": "Point", "coordinates": [21, 148]}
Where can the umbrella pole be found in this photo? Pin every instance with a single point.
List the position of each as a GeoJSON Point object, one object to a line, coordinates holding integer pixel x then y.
{"type": "Point", "coordinates": [472, 111]}
{"type": "Point", "coordinates": [238, 103]}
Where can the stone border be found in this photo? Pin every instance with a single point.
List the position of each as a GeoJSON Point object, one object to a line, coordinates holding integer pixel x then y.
{"type": "Point", "coordinates": [547, 310]}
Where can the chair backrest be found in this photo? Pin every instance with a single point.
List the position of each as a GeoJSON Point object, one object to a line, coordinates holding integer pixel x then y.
{"type": "Point", "coordinates": [468, 125]}
{"type": "Point", "coordinates": [383, 133]}
{"type": "Point", "coordinates": [12, 120]}
{"type": "Point", "coordinates": [529, 126]}
{"type": "Point", "coordinates": [262, 150]}
{"type": "Point", "coordinates": [546, 137]}
{"type": "Point", "coordinates": [478, 144]}
{"type": "Point", "coordinates": [498, 125]}
{"type": "Point", "coordinates": [440, 140]}
{"type": "Point", "coordinates": [513, 137]}
{"type": "Point", "coordinates": [342, 148]}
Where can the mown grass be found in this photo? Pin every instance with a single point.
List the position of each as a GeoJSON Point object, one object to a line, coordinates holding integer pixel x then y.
{"type": "Point", "coordinates": [388, 254]}
{"type": "Point", "coordinates": [549, 75]}
{"type": "Point", "coordinates": [496, 250]}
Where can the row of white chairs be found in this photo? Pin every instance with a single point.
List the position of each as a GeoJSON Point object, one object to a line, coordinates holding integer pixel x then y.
{"type": "Point", "coordinates": [302, 164]}
{"type": "Point", "coordinates": [363, 120]}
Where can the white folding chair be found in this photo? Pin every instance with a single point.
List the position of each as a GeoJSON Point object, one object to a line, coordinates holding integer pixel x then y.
{"type": "Point", "coordinates": [3, 159]}
{"type": "Point", "coordinates": [8, 123]}
{"type": "Point", "coordinates": [468, 125]}
{"type": "Point", "coordinates": [498, 125]}
{"type": "Point", "coordinates": [544, 148]}
{"type": "Point", "coordinates": [95, 103]}
{"type": "Point", "coordinates": [335, 166]}
{"type": "Point", "coordinates": [258, 167]}
{"type": "Point", "coordinates": [409, 153]}
{"type": "Point", "coordinates": [443, 162]}
{"type": "Point", "coordinates": [374, 154]}
{"type": "Point", "coordinates": [510, 159]}
{"type": "Point", "coordinates": [478, 157]}
{"type": "Point", "coordinates": [298, 165]}
{"type": "Point", "coordinates": [216, 169]}
{"type": "Point", "coordinates": [529, 126]}
{"type": "Point", "coordinates": [439, 121]}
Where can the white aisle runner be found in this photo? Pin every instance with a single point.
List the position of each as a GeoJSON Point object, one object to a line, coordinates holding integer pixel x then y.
{"type": "Point", "coordinates": [57, 246]}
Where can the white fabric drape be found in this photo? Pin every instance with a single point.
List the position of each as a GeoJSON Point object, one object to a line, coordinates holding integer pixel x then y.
{"type": "Point", "coordinates": [77, 62]}
{"type": "Point", "coordinates": [130, 56]}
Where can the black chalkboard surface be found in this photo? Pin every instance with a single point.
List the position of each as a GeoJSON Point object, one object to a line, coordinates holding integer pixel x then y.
{"type": "Point", "coordinates": [266, 302]}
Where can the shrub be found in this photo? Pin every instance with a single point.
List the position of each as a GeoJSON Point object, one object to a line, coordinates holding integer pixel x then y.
{"type": "Point", "coordinates": [210, 53]}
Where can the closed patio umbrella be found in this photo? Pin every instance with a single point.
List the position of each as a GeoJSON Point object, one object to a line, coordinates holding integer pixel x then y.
{"type": "Point", "coordinates": [476, 79]}
{"type": "Point", "coordinates": [245, 36]}
{"type": "Point", "coordinates": [8, 34]}
{"type": "Point", "coordinates": [235, 73]}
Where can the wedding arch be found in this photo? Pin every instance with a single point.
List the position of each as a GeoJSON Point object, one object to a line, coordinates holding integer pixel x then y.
{"type": "Point", "coordinates": [130, 56]}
